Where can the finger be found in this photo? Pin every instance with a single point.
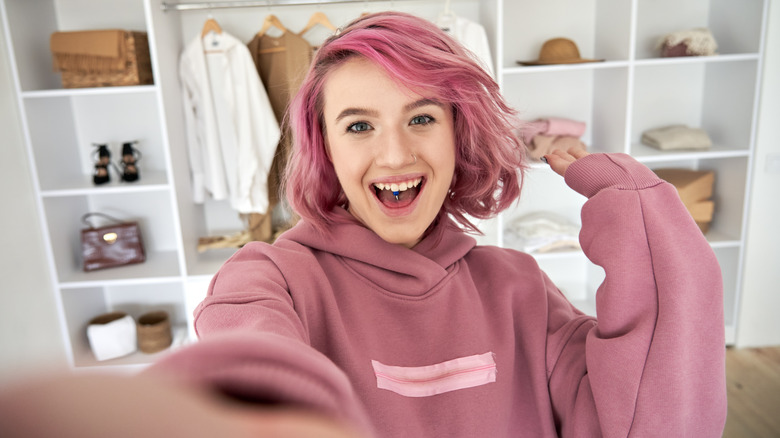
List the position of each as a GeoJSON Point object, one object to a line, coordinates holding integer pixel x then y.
{"type": "Point", "coordinates": [558, 163]}
{"type": "Point", "coordinates": [578, 152]}
{"type": "Point", "coordinates": [564, 155]}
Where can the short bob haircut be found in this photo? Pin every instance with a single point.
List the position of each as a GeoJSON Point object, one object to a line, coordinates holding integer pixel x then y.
{"type": "Point", "coordinates": [489, 158]}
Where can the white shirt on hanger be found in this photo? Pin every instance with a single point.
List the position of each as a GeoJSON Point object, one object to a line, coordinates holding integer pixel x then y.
{"type": "Point", "coordinates": [472, 35]}
{"type": "Point", "coordinates": [232, 132]}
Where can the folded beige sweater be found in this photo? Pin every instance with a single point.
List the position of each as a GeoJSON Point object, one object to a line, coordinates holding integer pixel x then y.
{"type": "Point", "coordinates": [676, 137]}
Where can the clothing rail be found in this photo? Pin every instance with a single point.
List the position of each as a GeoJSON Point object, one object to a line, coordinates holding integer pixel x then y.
{"type": "Point", "coordinates": [252, 4]}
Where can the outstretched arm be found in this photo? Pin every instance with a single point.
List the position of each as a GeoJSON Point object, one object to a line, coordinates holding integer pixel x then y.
{"type": "Point", "coordinates": [93, 406]}
{"type": "Point", "coordinates": [653, 363]}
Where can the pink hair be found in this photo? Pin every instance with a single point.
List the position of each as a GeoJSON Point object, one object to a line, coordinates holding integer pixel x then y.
{"type": "Point", "coordinates": [489, 161]}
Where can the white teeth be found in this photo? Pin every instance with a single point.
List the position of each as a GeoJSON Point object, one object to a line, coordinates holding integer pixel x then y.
{"type": "Point", "coordinates": [399, 187]}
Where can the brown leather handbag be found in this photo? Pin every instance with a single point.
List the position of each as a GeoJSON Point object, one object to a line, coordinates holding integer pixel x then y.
{"type": "Point", "coordinates": [116, 244]}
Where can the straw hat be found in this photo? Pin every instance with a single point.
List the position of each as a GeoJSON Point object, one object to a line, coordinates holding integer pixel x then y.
{"type": "Point", "coordinates": [559, 51]}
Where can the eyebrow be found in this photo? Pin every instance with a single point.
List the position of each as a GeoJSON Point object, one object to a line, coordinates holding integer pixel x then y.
{"type": "Point", "coordinates": [422, 103]}
{"type": "Point", "coordinates": [356, 112]}
{"type": "Point", "coordinates": [373, 113]}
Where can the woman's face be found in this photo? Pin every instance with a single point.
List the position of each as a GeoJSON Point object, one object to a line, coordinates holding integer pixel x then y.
{"type": "Point", "coordinates": [393, 150]}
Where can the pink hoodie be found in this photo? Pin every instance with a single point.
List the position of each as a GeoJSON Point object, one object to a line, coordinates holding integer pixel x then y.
{"type": "Point", "coordinates": [457, 340]}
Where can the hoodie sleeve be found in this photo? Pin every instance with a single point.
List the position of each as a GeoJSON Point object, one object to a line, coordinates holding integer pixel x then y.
{"type": "Point", "coordinates": [653, 363]}
{"type": "Point", "coordinates": [253, 347]}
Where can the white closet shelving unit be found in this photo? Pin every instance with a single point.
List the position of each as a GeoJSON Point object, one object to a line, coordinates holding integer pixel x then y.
{"type": "Point", "coordinates": [631, 91]}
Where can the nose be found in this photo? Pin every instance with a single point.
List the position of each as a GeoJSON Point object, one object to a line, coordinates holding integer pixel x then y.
{"type": "Point", "coordinates": [394, 151]}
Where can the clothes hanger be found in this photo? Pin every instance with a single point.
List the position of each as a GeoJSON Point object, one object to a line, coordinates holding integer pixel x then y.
{"type": "Point", "coordinates": [271, 21]}
{"type": "Point", "coordinates": [210, 25]}
{"type": "Point", "coordinates": [315, 19]}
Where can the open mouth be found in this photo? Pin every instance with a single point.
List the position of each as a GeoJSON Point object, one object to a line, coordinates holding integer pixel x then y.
{"type": "Point", "coordinates": [398, 194]}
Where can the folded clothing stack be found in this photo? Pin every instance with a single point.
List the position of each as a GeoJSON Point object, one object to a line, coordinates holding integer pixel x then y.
{"type": "Point", "coordinates": [676, 137]}
{"type": "Point", "coordinates": [542, 231]}
{"type": "Point", "coordinates": [695, 188]}
{"type": "Point", "coordinates": [100, 58]}
{"type": "Point", "coordinates": [543, 136]}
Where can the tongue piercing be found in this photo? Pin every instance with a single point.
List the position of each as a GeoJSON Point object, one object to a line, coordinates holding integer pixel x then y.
{"type": "Point", "coordinates": [396, 195]}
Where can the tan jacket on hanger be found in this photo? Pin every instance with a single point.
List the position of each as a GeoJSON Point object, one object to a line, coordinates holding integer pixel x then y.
{"type": "Point", "coordinates": [282, 63]}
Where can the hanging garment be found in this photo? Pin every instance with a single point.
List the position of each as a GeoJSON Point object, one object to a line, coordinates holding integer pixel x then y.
{"type": "Point", "coordinates": [282, 63]}
{"type": "Point", "coordinates": [232, 132]}
{"type": "Point", "coordinates": [473, 36]}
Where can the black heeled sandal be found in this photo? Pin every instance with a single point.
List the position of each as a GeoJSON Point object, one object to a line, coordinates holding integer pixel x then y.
{"type": "Point", "coordinates": [102, 160]}
{"type": "Point", "coordinates": [130, 157]}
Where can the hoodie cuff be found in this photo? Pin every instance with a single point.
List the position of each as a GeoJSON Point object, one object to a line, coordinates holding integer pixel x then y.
{"type": "Point", "coordinates": [599, 171]}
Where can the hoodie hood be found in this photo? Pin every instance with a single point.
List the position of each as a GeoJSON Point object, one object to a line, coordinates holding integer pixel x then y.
{"type": "Point", "coordinates": [395, 268]}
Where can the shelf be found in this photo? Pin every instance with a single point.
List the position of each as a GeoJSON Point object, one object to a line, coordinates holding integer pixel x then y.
{"type": "Point", "coordinates": [736, 26]}
{"type": "Point", "coordinates": [65, 125]}
{"type": "Point", "coordinates": [648, 154]}
{"type": "Point", "coordinates": [138, 360]}
{"type": "Point", "coordinates": [160, 266]}
{"type": "Point", "coordinates": [519, 70]}
{"type": "Point", "coordinates": [722, 240]}
{"type": "Point", "coordinates": [682, 60]}
{"type": "Point", "coordinates": [149, 182]}
{"type": "Point", "coordinates": [30, 25]}
{"type": "Point", "coordinates": [101, 91]}
{"type": "Point", "coordinates": [718, 97]}
{"type": "Point", "coordinates": [601, 29]}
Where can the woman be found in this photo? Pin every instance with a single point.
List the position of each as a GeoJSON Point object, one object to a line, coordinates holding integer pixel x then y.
{"type": "Point", "coordinates": [415, 331]}
{"type": "Point", "coordinates": [378, 311]}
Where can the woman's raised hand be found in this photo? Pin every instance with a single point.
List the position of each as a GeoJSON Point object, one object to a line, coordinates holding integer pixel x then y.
{"type": "Point", "coordinates": [560, 160]}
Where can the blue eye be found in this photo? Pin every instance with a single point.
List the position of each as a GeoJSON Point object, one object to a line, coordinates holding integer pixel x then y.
{"type": "Point", "coordinates": [422, 120]}
{"type": "Point", "coordinates": [358, 127]}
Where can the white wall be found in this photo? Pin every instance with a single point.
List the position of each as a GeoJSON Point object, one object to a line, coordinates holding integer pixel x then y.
{"type": "Point", "coordinates": [759, 324]}
{"type": "Point", "coordinates": [29, 332]}
{"type": "Point", "coordinates": [30, 338]}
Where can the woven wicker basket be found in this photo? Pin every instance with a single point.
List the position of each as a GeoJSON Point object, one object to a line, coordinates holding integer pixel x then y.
{"type": "Point", "coordinates": [138, 68]}
{"type": "Point", "coordinates": [154, 332]}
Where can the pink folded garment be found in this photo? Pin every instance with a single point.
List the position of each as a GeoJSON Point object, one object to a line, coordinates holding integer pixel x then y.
{"type": "Point", "coordinates": [552, 126]}
{"type": "Point", "coordinates": [544, 144]}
